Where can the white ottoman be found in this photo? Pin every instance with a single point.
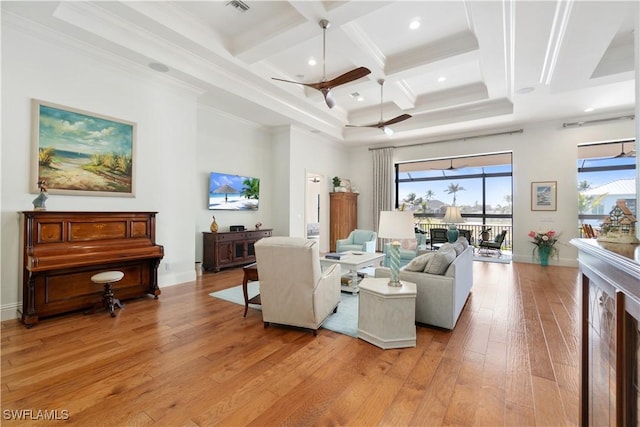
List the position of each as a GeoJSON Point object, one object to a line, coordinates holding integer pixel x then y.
{"type": "Point", "coordinates": [387, 314]}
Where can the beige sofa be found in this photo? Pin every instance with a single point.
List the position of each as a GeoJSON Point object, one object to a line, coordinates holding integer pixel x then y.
{"type": "Point", "coordinates": [440, 297]}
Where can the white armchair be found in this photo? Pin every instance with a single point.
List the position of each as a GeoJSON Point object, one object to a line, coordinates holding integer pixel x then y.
{"type": "Point", "coordinates": [358, 240]}
{"type": "Point", "coordinates": [293, 289]}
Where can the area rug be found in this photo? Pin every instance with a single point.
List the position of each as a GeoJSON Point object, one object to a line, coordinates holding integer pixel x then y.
{"type": "Point", "coordinates": [345, 321]}
{"type": "Point", "coordinates": [502, 259]}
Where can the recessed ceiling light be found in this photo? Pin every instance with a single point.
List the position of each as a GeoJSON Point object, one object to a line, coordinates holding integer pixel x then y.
{"type": "Point", "coordinates": [414, 24]}
{"type": "Point", "coordinates": [312, 61]}
{"type": "Point", "coordinates": [357, 96]}
{"type": "Point", "coordinates": [157, 66]}
{"type": "Point", "coordinates": [588, 110]}
{"type": "Point", "coordinates": [524, 90]}
{"type": "Point", "coordinates": [441, 79]}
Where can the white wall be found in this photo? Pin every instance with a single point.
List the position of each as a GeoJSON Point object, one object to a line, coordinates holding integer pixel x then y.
{"type": "Point", "coordinates": [543, 152]}
{"type": "Point", "coordinates": [312, 153]}
{"type": "Point", "coordinates": [227, 144]}
{"type": "Point", "coordinates": [40, 67]}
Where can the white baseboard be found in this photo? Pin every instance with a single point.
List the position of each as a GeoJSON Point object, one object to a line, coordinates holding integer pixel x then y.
{"type": "Point", "coordinates": [10, 311]}
{"type": "Point", "coordinates": [176, 278]}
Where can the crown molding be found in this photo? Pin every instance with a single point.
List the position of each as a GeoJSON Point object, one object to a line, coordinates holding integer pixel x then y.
{"type": "Point", "coordinates": [47, 35]}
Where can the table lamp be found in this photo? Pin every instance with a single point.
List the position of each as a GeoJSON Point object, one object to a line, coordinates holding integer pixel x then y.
{"type": "Point", "coordinates": [452, 217]}
{"type": "Point", "coordinates": [395, 225]}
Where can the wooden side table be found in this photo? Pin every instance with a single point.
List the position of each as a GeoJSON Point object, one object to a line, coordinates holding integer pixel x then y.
{"type": "Point", "coordinates": [387, 314]}
{"type": "Point", "coordinates": [250, 273]}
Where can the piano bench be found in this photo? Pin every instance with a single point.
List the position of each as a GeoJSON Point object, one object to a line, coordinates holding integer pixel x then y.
{"type": "Point", "coordinates": [108, 278]}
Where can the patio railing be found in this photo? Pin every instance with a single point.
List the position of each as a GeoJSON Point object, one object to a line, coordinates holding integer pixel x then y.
{"type": "Point", "coordinates": [476, 230]}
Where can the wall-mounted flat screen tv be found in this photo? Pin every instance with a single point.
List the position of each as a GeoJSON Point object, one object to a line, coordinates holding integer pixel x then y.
{"type": "Point", "coordinates": [233, 192]}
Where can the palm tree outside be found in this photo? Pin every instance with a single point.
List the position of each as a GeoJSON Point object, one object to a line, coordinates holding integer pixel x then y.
{"type": "Point", "coordinates": [453, 189]}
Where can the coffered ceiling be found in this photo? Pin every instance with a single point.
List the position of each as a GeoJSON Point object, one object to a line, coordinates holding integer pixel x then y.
{"type": "Point", "coordinates": [470, 66]}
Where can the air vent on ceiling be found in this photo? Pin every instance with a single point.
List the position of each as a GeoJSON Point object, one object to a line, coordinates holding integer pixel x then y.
{"type": "Point", "coordinates": [238, 4]}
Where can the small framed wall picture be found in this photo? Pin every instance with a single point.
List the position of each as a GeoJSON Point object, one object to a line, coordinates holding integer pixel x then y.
{"type": "Point", "coordinates": [544, 195]}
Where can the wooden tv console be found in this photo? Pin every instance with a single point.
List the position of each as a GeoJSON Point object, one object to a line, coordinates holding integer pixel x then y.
{"type": "Point", "coordinates": [62, 250]}
{"type": "Point", "coordinates": [230, 249]}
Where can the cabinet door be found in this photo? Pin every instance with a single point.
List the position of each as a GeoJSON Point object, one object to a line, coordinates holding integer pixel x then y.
{"type": "Point", "coordinates": [239, 252]}
{"type": "Point", "coordinates": [225, 252]}
{"type": "Point", "coordinates": [251, 250]}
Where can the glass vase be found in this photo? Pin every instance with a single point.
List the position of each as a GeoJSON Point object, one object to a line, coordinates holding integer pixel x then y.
{"type": "Point", "coordinates": [544, 252]}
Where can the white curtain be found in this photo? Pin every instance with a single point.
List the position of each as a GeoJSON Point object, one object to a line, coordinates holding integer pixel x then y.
{"type": "Point", "coordinates": [383, 175]}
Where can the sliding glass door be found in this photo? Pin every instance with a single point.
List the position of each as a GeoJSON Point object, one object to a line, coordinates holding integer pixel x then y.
{"type": "Point", "coordinates": [481, 186]}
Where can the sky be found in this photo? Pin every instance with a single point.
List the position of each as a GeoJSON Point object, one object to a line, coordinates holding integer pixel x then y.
{"type": "Point", "coordinates": [82, 133]}
{"type": "Point", "coordinates": [497, 188]}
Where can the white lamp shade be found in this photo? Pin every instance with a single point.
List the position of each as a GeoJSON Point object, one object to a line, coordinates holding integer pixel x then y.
{"type": "Point", "coordinates": [396, 225]}
{"type": "Point", "coordinates": [452, 215]}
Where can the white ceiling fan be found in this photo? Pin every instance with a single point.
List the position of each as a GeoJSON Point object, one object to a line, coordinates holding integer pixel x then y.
{"type": "Point", "coordinates": [325, 86]}
{"type": "Point", "coordinates": [382, 124]}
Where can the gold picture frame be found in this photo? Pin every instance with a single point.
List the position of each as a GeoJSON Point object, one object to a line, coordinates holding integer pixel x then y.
{"type": "Point", "coordinates": [544, 195]}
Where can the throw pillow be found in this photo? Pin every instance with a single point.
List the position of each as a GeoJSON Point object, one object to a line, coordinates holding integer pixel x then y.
{"type": "Point", "coordinates": [464, 241]}
{"type": "Point", "coordinates": [439, 263]}
{"type": "Point", "coordinates": [409, 244]}
{"type": "Point", "coordinates": [456, 246]}
{"type": "Point", "coordinates": [446, 246]}
{"type": "Point", "coordinates": [419, 262]}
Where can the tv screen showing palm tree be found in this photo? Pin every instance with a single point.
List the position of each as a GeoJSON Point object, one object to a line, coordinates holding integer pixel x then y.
{"type": "Point", "coordinates": [233, 192]}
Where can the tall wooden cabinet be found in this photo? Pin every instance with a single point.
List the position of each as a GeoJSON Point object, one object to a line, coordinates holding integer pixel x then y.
{"type": "Point", "coordinates": [343, 216]}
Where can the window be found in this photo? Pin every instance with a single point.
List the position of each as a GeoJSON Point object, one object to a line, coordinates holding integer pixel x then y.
{"type": "Point", "coordinates": [606, 174]}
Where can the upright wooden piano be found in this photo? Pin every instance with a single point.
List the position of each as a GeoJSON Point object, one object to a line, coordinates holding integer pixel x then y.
{"type": "Point", "coordinates": [62, 250]}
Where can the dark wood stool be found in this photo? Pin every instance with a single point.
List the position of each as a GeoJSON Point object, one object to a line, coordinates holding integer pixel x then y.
{"type": "Point", "coordinates": [108, 278]}
{"type": "Point", "coordinates": [250, 273]}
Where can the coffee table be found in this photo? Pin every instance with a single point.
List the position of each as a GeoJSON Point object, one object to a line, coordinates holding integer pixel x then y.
{"type": "Point", "coordinates": [354, 261]}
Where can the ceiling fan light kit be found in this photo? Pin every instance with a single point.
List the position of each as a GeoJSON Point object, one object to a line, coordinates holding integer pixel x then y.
{"type": "Point", "coordinates": [325, 86]}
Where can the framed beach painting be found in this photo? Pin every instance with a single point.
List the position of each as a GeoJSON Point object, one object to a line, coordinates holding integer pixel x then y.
{"type": "Point", "coordinates": [81, 153]}
{"type": "Point", "coordinates": [544, 196]}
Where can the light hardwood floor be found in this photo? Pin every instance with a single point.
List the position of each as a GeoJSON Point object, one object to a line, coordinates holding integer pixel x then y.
{"type": "Point", "coordinates": [189, 359]}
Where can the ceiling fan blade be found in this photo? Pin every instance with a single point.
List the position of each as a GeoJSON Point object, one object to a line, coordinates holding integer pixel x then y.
{"type": "Point", "coordinates": [349, 76]}
{"type": "Point", "coordinates": [398, 119]}
{"type": "Point", "coordinates": [362, 126]}
{"type": "Point", "coordinates": [383, 125]}
{"type": "Point", "coordinates": [311, 85]}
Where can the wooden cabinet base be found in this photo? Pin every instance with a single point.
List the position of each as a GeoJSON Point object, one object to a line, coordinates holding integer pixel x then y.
{"type": "Point", "coordinates": [230, 249]}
